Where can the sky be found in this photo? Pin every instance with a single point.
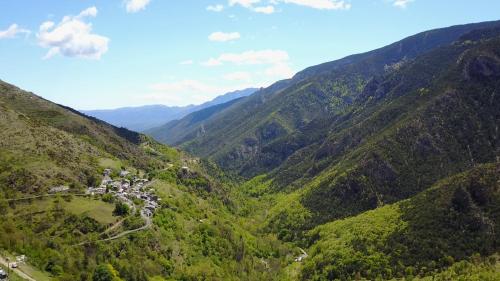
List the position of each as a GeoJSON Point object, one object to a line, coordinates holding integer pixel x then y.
{"type": "Point", "coordinates": [98, 54]}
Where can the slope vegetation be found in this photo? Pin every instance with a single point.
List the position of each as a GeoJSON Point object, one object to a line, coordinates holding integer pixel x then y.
{"type": "Point", "coordinates": [45, 144]}
{"type": "Point", "coordinates": [256, 134]}
{"type": "Point", "coordinates": [433, 118]}
{"type": "Point", "coordinates": [456, 219]}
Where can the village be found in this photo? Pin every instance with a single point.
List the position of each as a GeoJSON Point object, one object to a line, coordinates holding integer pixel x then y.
{"type": "Point", "coordinates": [128, 190]}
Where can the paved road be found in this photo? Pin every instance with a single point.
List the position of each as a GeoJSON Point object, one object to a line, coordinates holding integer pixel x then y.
{"type": "Point", "coordinates": [23, 275]}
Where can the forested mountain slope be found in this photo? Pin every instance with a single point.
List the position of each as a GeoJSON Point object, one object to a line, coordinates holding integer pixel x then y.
{"type": "Point", "coordinates": [245, 137]}
{"type": "Point", "coordinates": [434, 117]}
{"type": "Point", "coordinates": [457, 219]}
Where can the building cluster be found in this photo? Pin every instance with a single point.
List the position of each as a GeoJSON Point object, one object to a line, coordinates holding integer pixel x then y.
{"type": "Point", "coordinates": [128, 189]}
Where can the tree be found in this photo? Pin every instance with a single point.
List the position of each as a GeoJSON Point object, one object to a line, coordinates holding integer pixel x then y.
{"type": "Point", "coordinates": [121, 209]}
{"type": "Point", "coordinates": [108, 198]}
{"type": "Point", "coordinates": [105, 272]}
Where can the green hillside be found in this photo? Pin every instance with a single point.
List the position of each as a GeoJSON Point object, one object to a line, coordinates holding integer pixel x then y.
{"type": "Point", "coordinates": [45, 144]}
{"type": "Point", "coordinates": [194, 232]}
{"type": "Point", "coordinates": [456, 219]}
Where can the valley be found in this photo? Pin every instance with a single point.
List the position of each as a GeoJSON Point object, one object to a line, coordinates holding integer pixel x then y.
{"type": "Point", "coordinates": [378, 166]}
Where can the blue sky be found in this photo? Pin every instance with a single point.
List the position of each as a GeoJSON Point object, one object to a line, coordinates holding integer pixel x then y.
{"type": "Point", "coordinates": [113, 53]}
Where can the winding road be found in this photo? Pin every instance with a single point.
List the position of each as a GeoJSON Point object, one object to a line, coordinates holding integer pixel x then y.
{"type": "Point", "coordinates": [124, 233]}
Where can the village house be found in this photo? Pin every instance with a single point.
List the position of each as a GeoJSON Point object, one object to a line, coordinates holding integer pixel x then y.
{"type": "Point", "coordinates": [125, 183]}
{"type": "Point", "coordinates": [106, 182]}
{"type": "Point", "coordinates": [96, 190]}
{"type": "Point", "coordinates": [57, 189]}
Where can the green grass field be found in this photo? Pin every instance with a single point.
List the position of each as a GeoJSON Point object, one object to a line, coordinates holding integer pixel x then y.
{"type": "Point", "coordinates": [110, 163]}
{"type": "Point", "coordinates": [35, 273]}
{"type": "Point", "coordinates": [96, 209]}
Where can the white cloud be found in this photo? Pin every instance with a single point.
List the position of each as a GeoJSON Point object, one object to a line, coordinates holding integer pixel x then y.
{"type": "Point", "coordinates": [402, 3]}
{"type": "Point", "coordinates": [187, 91]}
{"type": "Point", "coordinates": [238, 76]}
{"type": "Point", "coordinates": [249, 4]}
{"type": "Point", "coordinates": [72, 37]}
{"type": "Point", "coordinates": [277, 63]}
{"type": "Point", "coordinates": [134, 6]}
{"type": "Point", "coordinates": [264, 9]}
{"type": "Point", "coordinates": [215, 8]}
{"type": "Point", "coordinates": [89, 12]}
{"type": "Point", "coordinates": [250, 57]}
{"type": "Point", "coordinates": [322, 4]}
{"type": "Point", "coordinates": [186, 62]}
{"type": "Point", "coordinates": [211, 62]}
{"type": "Point", "coordinates": [316, 4]}
{"type": "Point", "coordinates": [224, 37]}
{"type": "Point", "coordinates": [12, 31]}
{"type": "Point", "coordinates": [243, 3]}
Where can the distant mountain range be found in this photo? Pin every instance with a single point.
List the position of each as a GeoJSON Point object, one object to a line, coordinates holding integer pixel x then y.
{"type": "Point", "coordinates": [146, 117]}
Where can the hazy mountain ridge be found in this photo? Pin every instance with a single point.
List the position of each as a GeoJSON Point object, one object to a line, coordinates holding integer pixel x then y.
{"type": "Point", "coordinates": [144, 118]}
{"type": "Point", "coordinates": [177, 131]}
